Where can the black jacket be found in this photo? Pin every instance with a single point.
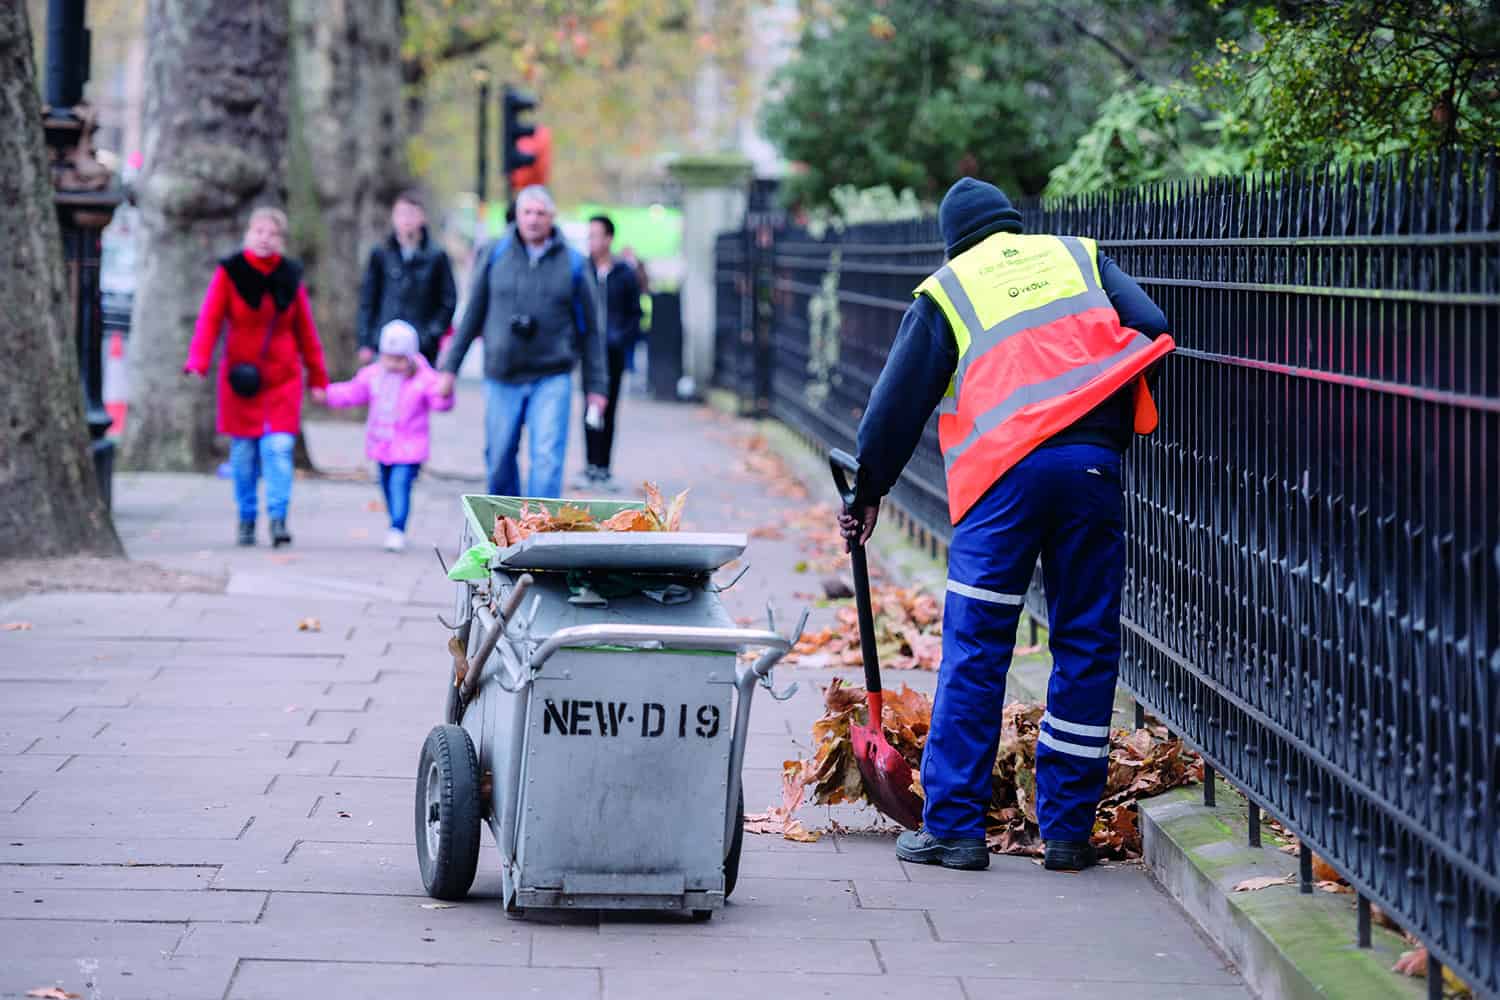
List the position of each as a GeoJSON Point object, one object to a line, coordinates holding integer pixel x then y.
{"type": "Point", "coordinates": [622, 303]}
{"type": "Point", "coordinates": [419, 290]}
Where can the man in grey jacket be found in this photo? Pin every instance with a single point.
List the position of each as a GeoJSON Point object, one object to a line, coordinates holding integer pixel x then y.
{"type": "Point", "coordinates": [530, 298]}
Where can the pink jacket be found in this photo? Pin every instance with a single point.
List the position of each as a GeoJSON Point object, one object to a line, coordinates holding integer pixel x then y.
{"type": "Point", "coordinates": [396, 431]}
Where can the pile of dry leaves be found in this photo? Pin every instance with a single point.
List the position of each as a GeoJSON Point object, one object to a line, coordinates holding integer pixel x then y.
{"type": "Point", "coordinates": [656, 516]}
{"type": "Point", "coordinates": [908, 633]}
{"type": "Point", "coordinates": [1142, 763]}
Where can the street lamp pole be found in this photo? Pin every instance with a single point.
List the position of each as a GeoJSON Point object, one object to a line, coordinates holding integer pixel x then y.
{"type": "Point", "coordinates": [85, 196]}
{"type": "Point", "coordinates": [481, 186]}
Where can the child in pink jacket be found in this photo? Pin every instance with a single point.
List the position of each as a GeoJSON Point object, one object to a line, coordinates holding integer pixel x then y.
{"type": "Point", "coordinates": [400, 389]}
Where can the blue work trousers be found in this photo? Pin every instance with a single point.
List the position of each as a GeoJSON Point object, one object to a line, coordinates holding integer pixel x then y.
{"type": "Point", "coordinates": [396, 482]}
{"type": "Point", "coordinates": [1065, 505]}
{"type": "Point", "coordinates": [268, 456]}
{"type": "Point", "coordinates": [541, 406]}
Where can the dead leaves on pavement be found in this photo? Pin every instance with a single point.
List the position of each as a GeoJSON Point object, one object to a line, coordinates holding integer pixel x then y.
{"type": "Point", "coordinates": [1142, 763]}
{"type": "Point", "coordinates": [908, 633]}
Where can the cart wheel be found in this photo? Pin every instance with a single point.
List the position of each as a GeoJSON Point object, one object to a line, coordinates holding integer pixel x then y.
{"type": "Point", "coordinates": [448, 813]}
{"type": "Point", "coordinates": [736, 844]}
{"type": "Point", "coordinates": [702, 916]}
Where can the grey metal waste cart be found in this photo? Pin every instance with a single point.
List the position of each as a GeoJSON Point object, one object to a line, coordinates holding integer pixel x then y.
{"type": "Point", "coordinates": [599, 729]}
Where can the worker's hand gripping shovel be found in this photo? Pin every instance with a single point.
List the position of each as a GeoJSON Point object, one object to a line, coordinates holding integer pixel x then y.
{"type": "Point", "coordinates": [887, 777]}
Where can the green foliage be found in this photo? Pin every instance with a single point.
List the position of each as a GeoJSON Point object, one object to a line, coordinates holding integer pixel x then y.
{"type": "Point", "coordinates": [1145, 134]}
{"type": "Point", "coordinates": [1301, 84]}
{"type": "Point", "coordinates": [915, 94]}
{"type": "Point", "coordinates": [1347, 80]}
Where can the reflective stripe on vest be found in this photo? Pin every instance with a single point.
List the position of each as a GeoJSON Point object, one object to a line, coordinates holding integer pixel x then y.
{"type": "Point", "coordinates": [1039, 346]}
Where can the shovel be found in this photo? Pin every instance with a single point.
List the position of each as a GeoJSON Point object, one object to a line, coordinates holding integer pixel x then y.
{"type": "Point", "coordinates": [887, 777]}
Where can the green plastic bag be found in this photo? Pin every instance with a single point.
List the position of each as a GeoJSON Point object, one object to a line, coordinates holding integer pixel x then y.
{"type": "Point", "coordinates": [473, 564]}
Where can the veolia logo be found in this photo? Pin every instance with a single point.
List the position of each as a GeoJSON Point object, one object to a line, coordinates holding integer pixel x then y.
{"type": "Point", "coordinates": [1017, 290]}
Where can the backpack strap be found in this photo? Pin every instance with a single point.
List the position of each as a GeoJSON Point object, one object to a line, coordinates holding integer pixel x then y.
{"type": "Point", "coordinates": [580, 292]}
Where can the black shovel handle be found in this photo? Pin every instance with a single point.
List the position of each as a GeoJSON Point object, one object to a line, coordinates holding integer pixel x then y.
{"type": "Point", "coordinates": [845, 468]}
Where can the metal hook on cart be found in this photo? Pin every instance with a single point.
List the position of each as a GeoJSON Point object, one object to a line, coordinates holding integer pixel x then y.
{"type": "Point", "coordinates": [719, 588]}
{"type": "Point", "coordinates": [765, 679]}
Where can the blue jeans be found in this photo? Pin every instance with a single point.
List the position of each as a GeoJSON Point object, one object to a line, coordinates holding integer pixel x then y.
{"type": "Point", "coordinates": [1065, 504]}
{"type": "Point", "coordinates": [541, 405]}
{"type": "Point", "coordinates": [396, 482]}
{"type": "Point", "coordinates": [269, 455]}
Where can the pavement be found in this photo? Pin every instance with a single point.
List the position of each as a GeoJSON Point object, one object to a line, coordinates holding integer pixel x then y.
{"type": "Point", "coordinates": [209, 795]}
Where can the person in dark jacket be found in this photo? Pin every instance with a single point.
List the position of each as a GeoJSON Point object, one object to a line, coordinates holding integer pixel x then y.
{"type": "Point", "coordinates": [617, 295]}
{"type": "Point", "coordinates": [1036, 352]}
{"type": "Point", "coordinates": [408, 277]}
{"type": "Point", "coordinates": [529, 296]}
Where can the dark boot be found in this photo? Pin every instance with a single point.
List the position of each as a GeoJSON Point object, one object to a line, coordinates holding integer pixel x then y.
{"type": "Point", "coordinates": [1068, 855]}
{"type": "Point", "coordinates": [279, 535]}
{"type": "Point", "coordinates": [247, 533]}
{"type": "Point", "coordinates": [921, 847]}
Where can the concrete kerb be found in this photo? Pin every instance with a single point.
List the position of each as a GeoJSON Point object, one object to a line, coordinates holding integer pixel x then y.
{"type": "Point", "coordinates": [1285, 943]}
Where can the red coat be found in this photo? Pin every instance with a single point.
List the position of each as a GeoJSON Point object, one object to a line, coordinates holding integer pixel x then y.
{"type": "Point", "coordinates": [272, 285]}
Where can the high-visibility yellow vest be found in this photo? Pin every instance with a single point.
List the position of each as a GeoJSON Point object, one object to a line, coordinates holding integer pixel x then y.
{"type": "Point", "coordinates": [1039, 346]}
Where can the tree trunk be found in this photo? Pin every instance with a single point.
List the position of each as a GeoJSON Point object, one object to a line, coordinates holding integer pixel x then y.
{"type": "Point", "coordinates": [49, 495]}
{"type": "Point", "coordinates": [349, 152]}
{"type": "Point", "coordinates": [215, 147]}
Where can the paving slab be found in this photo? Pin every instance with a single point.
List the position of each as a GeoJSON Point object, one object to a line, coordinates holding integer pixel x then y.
{"type": "Point", "coordinates": [108, 876]}
{"type": "Point", "coordinates": [112, 976]}
{"type": "Point", "coordinates": [277, 980]}
{"type": "Point", "coordinates": [150, 905]}
{"type": "Point", "coordinates": [671, 984]}
{"type": "Point", "coordinates": [1087, 961]}
{"type": "Point", "coordinates": [687, 951]}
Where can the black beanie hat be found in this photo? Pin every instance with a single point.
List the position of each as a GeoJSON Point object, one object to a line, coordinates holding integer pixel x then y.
{"type": "Point", "coordinates": [973, 209]}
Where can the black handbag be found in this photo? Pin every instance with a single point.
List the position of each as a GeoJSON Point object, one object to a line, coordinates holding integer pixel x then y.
{"type": "Point", "coordinates": [245, 377]}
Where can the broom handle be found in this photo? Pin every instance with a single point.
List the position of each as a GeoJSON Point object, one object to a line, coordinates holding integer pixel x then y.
{"type": "Point", "coordinates": [843, 465]}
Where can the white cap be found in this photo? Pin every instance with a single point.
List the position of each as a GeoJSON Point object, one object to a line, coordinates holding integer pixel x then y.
{"type": "Point", "coordinates": [398, 337]}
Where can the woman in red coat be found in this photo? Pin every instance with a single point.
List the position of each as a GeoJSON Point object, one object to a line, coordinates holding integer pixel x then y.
{"type": "Point", "coordinates": [258, 294]}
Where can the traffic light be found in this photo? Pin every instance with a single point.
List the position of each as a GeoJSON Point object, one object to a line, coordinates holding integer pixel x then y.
{"type": "Point", "coordinates": [515, 104]}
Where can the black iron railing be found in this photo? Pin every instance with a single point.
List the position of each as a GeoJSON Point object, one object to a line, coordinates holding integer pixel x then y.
{"type": "Point", "coordinates": [1313, 590]}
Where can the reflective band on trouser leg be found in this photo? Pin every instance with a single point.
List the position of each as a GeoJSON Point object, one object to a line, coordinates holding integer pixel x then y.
{"type": "Point", "coordinates": [1057, 725]}
{"type": "Point", "coordinates": [997, 546]}
{"type": "Point", "coordinates": [980, 594]}
{"type": "Point", "coordinates": [1076, 749]}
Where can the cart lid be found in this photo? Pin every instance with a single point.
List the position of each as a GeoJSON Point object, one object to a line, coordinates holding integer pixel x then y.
{"type": "Point", "coordinates": [624, 551]}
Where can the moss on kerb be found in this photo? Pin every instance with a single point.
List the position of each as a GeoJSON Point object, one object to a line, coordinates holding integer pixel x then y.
{"type": "Point", "coordinates": [1312, 934]}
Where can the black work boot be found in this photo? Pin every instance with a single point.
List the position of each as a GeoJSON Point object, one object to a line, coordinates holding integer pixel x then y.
{"type": "Point", "coordinates": [921, 847]}
{"type": "Point", "coordinates": [247, 533]}
{"type": "Point", "coordinates": [279, 535]}
{"type": "Point", "coordinates": [1069, 855]}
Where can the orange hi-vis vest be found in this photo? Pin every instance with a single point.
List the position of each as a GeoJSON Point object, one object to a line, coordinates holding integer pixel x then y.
{"type": "Point", "coordinates": [1039, 346]}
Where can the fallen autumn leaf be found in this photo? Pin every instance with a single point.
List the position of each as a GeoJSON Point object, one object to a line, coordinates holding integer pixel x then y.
{"type": "Point", "coordinates": [16, 627]}
{"type": "Point", "coordinates": [1264, 882]}
{"type": "Point", "coordinates": [309, 625]}
{"type": "Point", "coordinates": [53, 993]}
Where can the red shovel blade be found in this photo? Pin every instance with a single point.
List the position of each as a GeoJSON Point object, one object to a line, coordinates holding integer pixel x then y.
{"type": "Point", "coordinates": [887, 776]}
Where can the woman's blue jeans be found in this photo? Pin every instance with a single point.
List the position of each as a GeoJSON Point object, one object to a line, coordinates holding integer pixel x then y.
{"type": "Point", "coordinates": [269, 455]}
